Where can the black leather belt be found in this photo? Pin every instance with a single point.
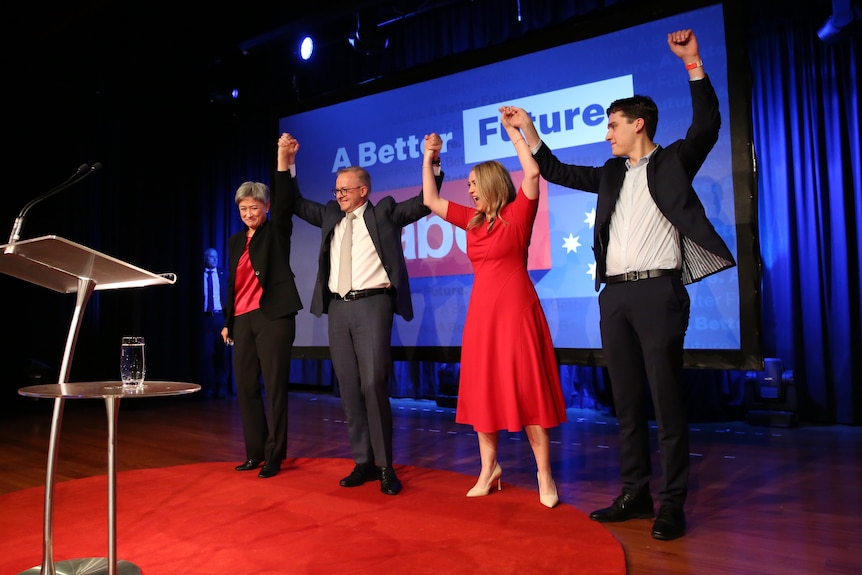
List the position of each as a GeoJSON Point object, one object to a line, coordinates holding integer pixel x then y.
{"type": "Point", "coordinates": [361, 293]}
{"type": "Point", "coordinates": [637, 276]}
{"type": "Point", "coordinates": [212, 313]}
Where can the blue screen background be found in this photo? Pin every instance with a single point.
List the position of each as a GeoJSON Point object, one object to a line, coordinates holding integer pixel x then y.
{"type": "Point", "coordinates": [346, 133]}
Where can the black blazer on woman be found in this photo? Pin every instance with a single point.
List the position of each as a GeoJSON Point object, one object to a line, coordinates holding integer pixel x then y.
{"type": "Point", "coordinates": [269, 252]}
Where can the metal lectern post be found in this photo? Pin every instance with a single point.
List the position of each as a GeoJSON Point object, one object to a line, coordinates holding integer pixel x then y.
{"type": "Point", "coordinates": [67, 267]}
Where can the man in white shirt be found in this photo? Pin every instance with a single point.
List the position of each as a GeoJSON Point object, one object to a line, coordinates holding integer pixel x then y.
{"type": "Point", "coordinates": [651, 238]}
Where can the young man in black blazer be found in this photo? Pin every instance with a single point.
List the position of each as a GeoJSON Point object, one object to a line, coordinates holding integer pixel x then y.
{"type": "Point", "coordinates": [651, 237]}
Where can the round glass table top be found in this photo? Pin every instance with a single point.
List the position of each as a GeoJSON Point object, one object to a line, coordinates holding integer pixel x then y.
{"type": "Point", "coordinates": [104, 389]}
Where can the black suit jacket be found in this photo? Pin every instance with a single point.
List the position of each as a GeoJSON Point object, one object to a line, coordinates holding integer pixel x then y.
{"type": "Point", "coordinates": [670, 173]}
{"type": "Point", "coordinates": [222, 281]}
{"type": "Point", "coordinates": [384, 222]}
{"type": "Point", "coordinates": [269, 252]}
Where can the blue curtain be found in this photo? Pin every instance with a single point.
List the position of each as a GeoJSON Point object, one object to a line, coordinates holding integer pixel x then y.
{"type": "Point", "coordinates": [805, 107]}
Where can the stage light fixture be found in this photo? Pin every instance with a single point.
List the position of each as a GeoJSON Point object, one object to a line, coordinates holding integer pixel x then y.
{"type": "Point", "coordinates": [771, 397]}
{"type": "Point", "coordinates": [367, 38]}
{"type": "Point", "coordinates": [306, 48]}
{"type": "Point", "coordinates": [843, 23]}
{"type": "Point", "coordinates": [223, 93]}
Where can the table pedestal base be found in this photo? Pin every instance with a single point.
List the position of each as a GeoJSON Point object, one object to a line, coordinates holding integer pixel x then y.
{"type": "Point", "coordinates": [88, 566]}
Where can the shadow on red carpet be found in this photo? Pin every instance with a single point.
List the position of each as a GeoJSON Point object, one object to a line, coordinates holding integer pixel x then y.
{"type": "Point", "coordinates": [207, 518]}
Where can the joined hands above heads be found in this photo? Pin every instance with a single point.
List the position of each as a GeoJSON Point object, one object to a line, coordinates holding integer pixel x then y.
{"type": "Point", "coordinates": [287, 148]}
{"type": "Point", "coordinates": [433, 145]}
{"type": "Point", "coordinates": [507, 114]}
{"type": "Point", "coordinates": [514, 116]}
{"type": "Point", "coordinates": [519, 120]}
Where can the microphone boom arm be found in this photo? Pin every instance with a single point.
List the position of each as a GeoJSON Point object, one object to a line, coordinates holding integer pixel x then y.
{"type": "Point", "coordinates": [80, 174]}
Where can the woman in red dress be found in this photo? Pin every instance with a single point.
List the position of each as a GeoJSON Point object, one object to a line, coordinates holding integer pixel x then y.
{"type": "Point", "coordinates": [509, 375]}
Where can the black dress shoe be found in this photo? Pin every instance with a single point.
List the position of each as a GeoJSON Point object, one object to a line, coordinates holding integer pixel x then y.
{"type": "Point", "coordinates": [249, 465]}
{"type": "Point", "coordinates": [670, 523]}
{"type": "Point", "coordinates": [270, 469]}
{"type": "Point", "coordinates": [361, 473]}
{"type": "Point", "coordinates": [625, 507]}
{"type": "Point", "coordinates": [389, 483]}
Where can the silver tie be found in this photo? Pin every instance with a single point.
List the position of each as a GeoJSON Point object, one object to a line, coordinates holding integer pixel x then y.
{"type": "Point", "coordinates": [345, 270]}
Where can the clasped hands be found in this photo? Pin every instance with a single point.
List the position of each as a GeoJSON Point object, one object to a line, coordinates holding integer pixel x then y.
{"type": "Point", "coordinates": [288, 146]}
{"type": "Point", "coordinates": [513, 116]}
{"type": "Point", "coordinates": [433, 145]}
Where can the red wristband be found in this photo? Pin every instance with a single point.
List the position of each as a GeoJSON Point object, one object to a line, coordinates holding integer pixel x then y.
{"type": "Point", "coordinates": [693, 65]}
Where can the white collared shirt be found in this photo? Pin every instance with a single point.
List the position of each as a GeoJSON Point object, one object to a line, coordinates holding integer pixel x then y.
{"type": "Point", "coordinates": [641, 238]}
{"type": "Point", "coordinates": [216, 290]}
{"type": "Point", "coordinates": [367, 269]}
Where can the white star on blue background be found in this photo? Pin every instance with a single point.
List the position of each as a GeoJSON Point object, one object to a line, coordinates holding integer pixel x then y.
{"type": "Point", "coordinates": [571, 243]}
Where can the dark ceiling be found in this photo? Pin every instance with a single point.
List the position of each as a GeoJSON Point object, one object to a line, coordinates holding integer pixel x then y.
{"type": "Point", "coordinates": [158, 63]}
{"type": "Point", "coordinates": [137, 51]}
{"type": "Point", "coordinates": [142, 50]}
{"type": "Point", "coordinates": [136, 84]}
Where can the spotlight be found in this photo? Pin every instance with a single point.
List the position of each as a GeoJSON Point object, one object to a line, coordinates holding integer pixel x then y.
{"type": "Point", "coordinates": [223, 94]}
{"type": "Point", "coordinates": [843, 23]}
{"type": "Point", "coordinates": [306, 48]}
{"type": "Point", "coordinates": [368, 38]}
{"type": "Point", "coordinates": [771, 396]}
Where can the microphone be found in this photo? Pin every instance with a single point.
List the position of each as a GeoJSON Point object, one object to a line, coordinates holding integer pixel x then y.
{"type": "Point", "coordinates": [83, 171]}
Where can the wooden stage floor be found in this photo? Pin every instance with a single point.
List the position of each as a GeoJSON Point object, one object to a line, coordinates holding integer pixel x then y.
{"type": "Point", "coordinates": [762, 501]}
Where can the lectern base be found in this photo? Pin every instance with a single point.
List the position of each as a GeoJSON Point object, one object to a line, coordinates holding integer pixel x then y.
{"type": "Point", "coordinates": [89, 566]}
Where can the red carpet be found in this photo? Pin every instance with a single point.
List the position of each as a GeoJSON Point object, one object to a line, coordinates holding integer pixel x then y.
{"type": "Point", "coordinates": [208, 518]}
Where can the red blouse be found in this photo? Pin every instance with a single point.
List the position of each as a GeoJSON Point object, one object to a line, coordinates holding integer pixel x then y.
{"type": "Point", "coordinates": [247, 289]}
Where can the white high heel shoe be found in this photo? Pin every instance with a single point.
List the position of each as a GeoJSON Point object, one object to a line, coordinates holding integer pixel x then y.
{"type": "Point", "coordinates": [548, 500]}
{"type": "Point", "coordinates": [482, 490]}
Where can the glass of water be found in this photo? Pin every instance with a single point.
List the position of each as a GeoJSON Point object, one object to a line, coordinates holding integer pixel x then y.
{"type": "Point", "coordinates": [133, 366]}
